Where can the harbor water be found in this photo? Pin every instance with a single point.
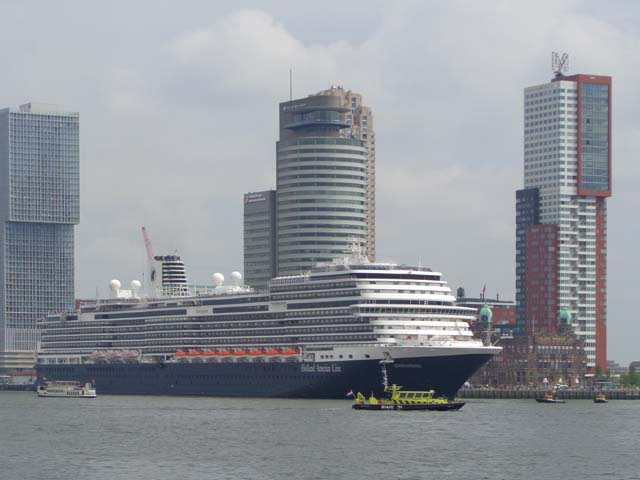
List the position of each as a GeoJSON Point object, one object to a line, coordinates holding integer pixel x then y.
{"type": "Point", "coordinates": [136, 437]}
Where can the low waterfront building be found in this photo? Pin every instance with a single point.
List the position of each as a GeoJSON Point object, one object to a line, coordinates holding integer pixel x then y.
{"type": "Point", "coordinates": [17, 361]}
{"type": "Point", "coordinates": [534, 360]}
{"type": "Point", "coordinates": [614, 368]}
{"type": "Point", "coordinates": [503, 312]}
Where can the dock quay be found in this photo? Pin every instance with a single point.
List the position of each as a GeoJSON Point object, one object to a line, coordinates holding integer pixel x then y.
{"type": "Point", "coordinates": [19, 387]}
{"type": "Point", "coordinates": [567, 394]}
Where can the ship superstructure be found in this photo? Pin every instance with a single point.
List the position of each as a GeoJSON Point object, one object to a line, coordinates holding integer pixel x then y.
{"type": "Point", "coordinates": [318, 333]}
{"type": "Point", "coordinates": [168, 276]}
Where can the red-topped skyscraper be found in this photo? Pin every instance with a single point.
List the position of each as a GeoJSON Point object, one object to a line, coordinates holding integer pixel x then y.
{"type": "Point", "coordinates": [561, 214]}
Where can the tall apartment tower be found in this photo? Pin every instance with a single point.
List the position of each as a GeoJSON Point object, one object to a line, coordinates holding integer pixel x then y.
{"type": "Point", "coordinates": [325, 169]}
{"type": "Point", "coordinates": [561, 214]}
{"type": "Point", "coordinates": [39, 206]}
{"type": "Point", "coordinates": [360, 119]}
{"type": "Point", "coordinates": [259, 238]}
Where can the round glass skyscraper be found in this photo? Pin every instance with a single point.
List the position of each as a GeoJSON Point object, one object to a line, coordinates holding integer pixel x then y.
{"type": "Point", "coordinates": [321, 184]}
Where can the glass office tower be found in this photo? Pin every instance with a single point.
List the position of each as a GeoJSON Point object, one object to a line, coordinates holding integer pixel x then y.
{"type": "Point", "coordinates": [259, 238]}
{"type": "Point", "coordinates": [39, 206]}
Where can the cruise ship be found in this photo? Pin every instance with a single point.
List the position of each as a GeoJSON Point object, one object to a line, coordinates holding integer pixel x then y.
{"type": "Point", "coordinates": [338, 328]}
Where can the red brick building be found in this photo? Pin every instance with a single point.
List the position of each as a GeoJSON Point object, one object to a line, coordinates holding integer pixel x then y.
{"type": "Point", "coordinates": [529, 360]}
{"type": "Point", "coordinates": [533, 360]}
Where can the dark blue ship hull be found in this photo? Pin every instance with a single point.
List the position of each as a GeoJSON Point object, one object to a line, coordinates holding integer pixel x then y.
{"type": "Point", "coordinates": [444, 374]}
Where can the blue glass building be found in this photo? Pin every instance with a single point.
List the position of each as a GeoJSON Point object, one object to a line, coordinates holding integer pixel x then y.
{"type": "Point", "coordinates": [39, 206]}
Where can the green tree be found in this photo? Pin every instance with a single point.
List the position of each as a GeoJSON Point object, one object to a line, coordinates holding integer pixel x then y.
{"type": "Point", "coordinates": [631, 379]}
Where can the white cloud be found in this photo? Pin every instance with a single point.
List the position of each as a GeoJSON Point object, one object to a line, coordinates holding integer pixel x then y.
{"type": "Point", "coordinates": [248, 53]}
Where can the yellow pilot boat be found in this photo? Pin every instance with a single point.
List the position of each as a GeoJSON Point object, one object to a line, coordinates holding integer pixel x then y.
{"type": "Point", "coordinates": [600, 398]}
{"type": "Point", "coordinates": [405, 400]}
{"type": "Point", "coordinates": [549, 398]}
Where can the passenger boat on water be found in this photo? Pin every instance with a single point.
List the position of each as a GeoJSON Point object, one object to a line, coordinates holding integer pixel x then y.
{"type": "Point", "coordinates": [399, 400]}
{"type": "Point", "coordinates": [57, 388]}
{"type": "Point", "coordinates": [600, 398]}
{"type": "Point", "coordinates": [404, 400]}
{"type": "Point", "coordinates": [549, 398]}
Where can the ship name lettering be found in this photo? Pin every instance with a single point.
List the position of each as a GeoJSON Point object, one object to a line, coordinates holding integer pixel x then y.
{"type": "Point", "coordinates": [307, 368]}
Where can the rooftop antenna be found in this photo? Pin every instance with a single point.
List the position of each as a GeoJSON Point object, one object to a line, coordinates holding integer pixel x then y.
{"type": "Point", "coordinates": [290, 84]}
{"type": "Point", "coordinates": [559, 63]}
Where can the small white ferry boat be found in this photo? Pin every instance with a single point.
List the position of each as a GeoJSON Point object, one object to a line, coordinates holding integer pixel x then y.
{"type": "Point", "coordinates": [58, 388]}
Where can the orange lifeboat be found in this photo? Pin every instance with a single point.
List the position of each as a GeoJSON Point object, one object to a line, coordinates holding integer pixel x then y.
{"type": "Point", "coordinates": [208, 353]}
{"type": "Point", "coordinates": [240, 352]}
{"type": "Point", "coordinates": [272, 351]}
{"type": "Point", "coordinates": [180, 353]}
{"type": "Point", "coordinates": [255, 351]}
{"type": "Point", "coordinates": [225, 352]}
{"type": "Point", "coordinates": [193, 353]}
{"type": "Point", "coordinates": [290, 351]}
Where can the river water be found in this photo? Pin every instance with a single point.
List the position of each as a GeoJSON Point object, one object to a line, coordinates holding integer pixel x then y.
{"type": "Point", "coordinates": [136, 437]}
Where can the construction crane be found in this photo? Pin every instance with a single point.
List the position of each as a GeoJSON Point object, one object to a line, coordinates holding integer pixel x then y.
{"type": "Point", "coordinates": [147, 244]}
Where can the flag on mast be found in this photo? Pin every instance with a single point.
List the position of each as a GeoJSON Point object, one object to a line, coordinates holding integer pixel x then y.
{"type": "Point", "coordinates": [484, 289]}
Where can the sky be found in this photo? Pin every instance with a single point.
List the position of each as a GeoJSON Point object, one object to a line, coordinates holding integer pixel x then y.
{"type": "Point", "coordinates": [178, 106]}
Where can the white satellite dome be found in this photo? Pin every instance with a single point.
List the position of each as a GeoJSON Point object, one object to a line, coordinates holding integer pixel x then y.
{"type": "Point", "coordinates": [135, 285]}
{"type": "Point", "coordinates": [115, 284]}
{"type": "Point", "coordinates": [217, 278]}
{"type": "Point", "coordinates": [236, 277]}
